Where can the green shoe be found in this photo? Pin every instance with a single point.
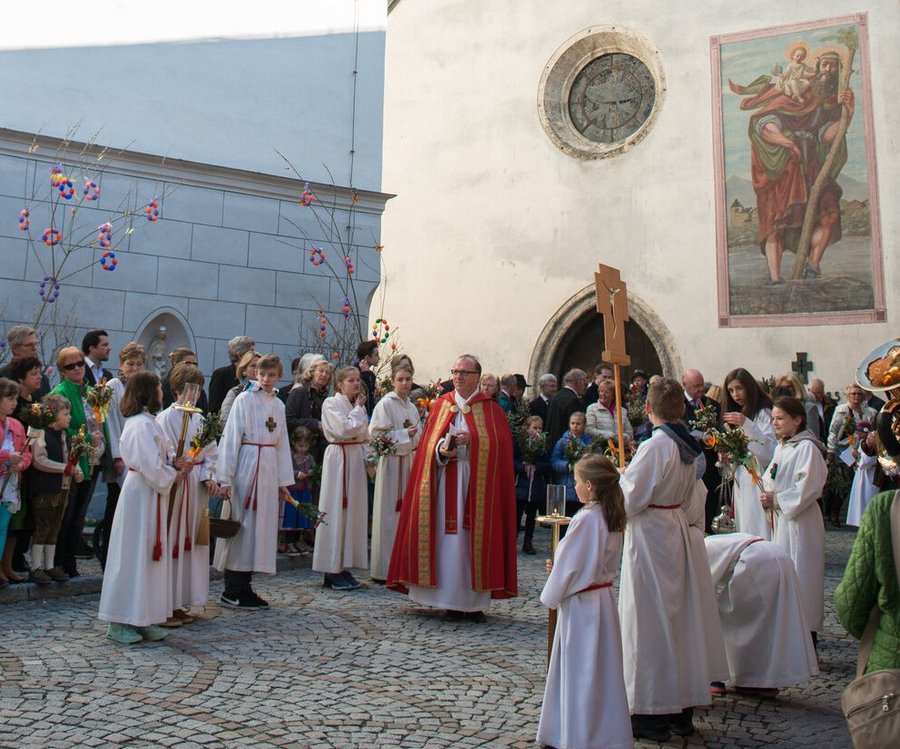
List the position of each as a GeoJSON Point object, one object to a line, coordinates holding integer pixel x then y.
{"type": "Point", "coordinates": [152, 632]}
{"type": "Point", "coordinates": [123, 633]}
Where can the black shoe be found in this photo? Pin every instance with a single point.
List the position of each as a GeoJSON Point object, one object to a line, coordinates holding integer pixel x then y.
{"type": "Point", "coordinates": [454, 616]}
{"type": "Point", "coordinates": [350, 579]}
{"type": "Point", "coordinates": [528, 547]}
{"type": "Point", "coordinates": [84, 550]}
{"type": "Point", "coordinates": [681, 724]}
{"type": "Point", "coordinates": [261, 603]}
{"type": "Point", "coordinates": [652, 727]}
{"type": "Point", "coordinates": [244, 601]}
{"type": "Point", "coordinates": [476, 616]}
{"type": "Point", "coordinates": [337, 581]}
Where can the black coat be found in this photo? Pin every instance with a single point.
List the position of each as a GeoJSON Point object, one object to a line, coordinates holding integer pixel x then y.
{"type": "Point", "coordinates": [561, 407]}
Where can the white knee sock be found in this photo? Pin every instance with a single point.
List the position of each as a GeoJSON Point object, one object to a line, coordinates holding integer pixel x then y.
{"type": "Point", "coordinates": [37, 556]}
{"type": "Point", "coordinates": [49, 556]}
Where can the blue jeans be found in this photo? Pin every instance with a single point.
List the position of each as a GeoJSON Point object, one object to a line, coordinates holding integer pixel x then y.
{"type": "Point", "coordinates": [5, 515]}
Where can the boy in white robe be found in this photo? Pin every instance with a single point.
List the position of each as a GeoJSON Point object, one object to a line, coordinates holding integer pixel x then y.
{"type": "Point", "coordinates": [254, 469]}
{"type": "Point", "coordinates": [660, 601]}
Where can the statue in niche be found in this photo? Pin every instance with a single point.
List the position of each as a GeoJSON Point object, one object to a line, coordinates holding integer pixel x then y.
{"type": "Point", "coordinates": [158, 353]}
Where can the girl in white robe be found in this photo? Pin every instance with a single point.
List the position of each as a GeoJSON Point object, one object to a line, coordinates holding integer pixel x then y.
{"type": "Point", "coordinates": [397, 417]}
{"type": "Point", "coordinates": [863, 488]}
{"type": "Point", "coordinates": [759, 604]}
{"type": "Point", "coordinates": [747, 407]}
{"type": "Point", "coordinates": [341, 542]}
{"type": "Point", "coordinates": [793, 482]}
{"type": "Point", "coordinates": [189, 562]}
{"type": "Point", "coordinates": [585, 705]}
{"type": "Point", "coordinates": [254, 468]}
{"type": "Point", "coordinates": [136, 582]}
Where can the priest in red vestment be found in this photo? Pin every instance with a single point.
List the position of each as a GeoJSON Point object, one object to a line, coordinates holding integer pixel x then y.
{"type": "Point", "coordinates": [456, 542]}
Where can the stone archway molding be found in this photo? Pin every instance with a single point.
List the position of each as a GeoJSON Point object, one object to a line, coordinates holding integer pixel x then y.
{"type": "Point", "coordinates": [547, 353]}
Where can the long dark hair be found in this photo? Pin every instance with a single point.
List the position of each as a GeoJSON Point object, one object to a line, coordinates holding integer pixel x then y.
{"type": "Point", "coordinates": [141, 393]}
{"type": "Point", "coordinates": [754, 398]}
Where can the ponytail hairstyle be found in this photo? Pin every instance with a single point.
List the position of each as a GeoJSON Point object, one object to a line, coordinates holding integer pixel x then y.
{"type": "Point", "coordinates": [604, 478]}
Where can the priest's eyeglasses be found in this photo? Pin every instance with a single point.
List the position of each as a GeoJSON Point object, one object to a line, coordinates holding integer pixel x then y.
{"type": "Point", "coordinates": [462, 372]}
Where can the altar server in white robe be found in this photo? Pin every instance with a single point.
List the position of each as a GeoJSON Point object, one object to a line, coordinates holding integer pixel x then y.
{"type": "Point", "coordinates": [863, 488]}
{"type": "Point", "coordinates": [341, 542]}
{"type": "Point", "coordinates": [254, 469]}
{"type": "Point", "coordinates": [660, 602]}
{"type": "Point", "coordinates": [398, 418]}
{"type": "Point", "coordinates": [759, 604]}
{"type": "Point", "coordinates": [793, 482]}
{"type": "Point", "coordinates": [585, 706]}
{"type": "Point", "coordinates": [136, 593]}
{"type": "Point", "coordinates": [189, 561]}
{"type": "Point", "coordinates": [748, 408]}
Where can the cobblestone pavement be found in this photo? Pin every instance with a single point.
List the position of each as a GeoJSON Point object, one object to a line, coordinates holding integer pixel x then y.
{"type": "Point", "coordinates": [328, 669]}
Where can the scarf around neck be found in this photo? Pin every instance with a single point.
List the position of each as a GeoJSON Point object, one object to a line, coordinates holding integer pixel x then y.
{"type": "Point", "coordinates": [688, 447]}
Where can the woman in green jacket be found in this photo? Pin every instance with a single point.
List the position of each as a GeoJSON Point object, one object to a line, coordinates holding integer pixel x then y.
{"type": "Point", "coordinates": [869, 579]}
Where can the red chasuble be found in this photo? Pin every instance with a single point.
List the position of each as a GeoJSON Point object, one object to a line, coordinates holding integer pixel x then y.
{"type": "Point", "coordinates": [490, 507]}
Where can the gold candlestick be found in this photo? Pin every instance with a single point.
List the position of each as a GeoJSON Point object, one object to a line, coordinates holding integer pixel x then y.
{"type": "Point", "coordinates": [555, 520]}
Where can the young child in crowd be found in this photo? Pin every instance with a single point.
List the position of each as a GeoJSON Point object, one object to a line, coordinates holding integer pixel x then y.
{"type": "Point", "coordinates": [585, 704]}
{"type": "Point", "coordinates": [49, 480]}
{"type": "Point", "coordinates": [188, 560]}
{"type": "Point", "coordinates": [293, 522]}
{"type": "Point", "coordinates": [532, 474]}
{"type": "Point", "coordinates": [254, 469]}
{"type": "Point", "coordinates": [135, 597]}
{"type": "Point", "coordinates": [568, 449]}
{"type": "Point", "coordinates": [14, 458]}
{"type": "Point", "coordinates": [341, 542]}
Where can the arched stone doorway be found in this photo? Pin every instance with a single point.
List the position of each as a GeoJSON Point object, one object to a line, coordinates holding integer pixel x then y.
{"type": "Point", "coordinates": [574, 338]}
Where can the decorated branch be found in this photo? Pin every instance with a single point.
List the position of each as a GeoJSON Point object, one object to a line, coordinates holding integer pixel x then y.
{"type": "Point", "coordinates": [381, 444]}
{"type": "Point", "coordinates": [99, 398]}
{"type": "Point", "coordinates": [533, 446]}
{"type": "Point", "coordinates": [210, 431]}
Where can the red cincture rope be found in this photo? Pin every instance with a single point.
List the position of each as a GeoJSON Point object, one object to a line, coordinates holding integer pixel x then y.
{"type": "Point", "coordinates": [255, 485]}
{"type": "Point", "coordinates": [595, 586]}
{"type": "Point", "coordinates": [342, 445]}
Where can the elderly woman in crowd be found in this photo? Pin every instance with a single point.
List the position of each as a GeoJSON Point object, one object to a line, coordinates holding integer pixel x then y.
{"type": "Point", "coordinates": [490, 385]}
{"type": "Point", "coordinates": [71, 366]}
{"type": "Point", "coordinates": [304, 404]}
{"type": "Point", "coordinates": [601, 416]}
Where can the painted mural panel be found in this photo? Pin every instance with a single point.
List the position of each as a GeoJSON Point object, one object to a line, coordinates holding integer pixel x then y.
{"type": "Point", "coordinates": [798, 239]}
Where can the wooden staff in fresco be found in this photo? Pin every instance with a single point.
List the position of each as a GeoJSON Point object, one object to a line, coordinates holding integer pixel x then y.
{"type": "Point", "coordinates": [848, 38]}
{"type": "Point", "coordinates": [612, 303]}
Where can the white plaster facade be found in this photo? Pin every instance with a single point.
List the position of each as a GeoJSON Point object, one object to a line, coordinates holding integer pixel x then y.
{"type": "Point", "coordinates": [494, 228]}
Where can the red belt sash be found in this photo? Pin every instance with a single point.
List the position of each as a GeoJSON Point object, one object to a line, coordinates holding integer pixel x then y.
{"type": "Point", "coordinates": [595, 586]}
{"type": "Point", "coordinates": [343, 445]}
{"type": "Point", "coordinates": [255, 485]}
{"type": "Point", "coordinates": [664, 507]}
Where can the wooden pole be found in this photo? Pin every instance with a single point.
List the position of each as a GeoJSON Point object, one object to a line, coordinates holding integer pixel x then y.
{"type": "Point", "coordinates": [620, 428]}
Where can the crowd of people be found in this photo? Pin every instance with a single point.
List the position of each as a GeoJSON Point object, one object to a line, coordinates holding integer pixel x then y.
{"type": "Point", "coordinates": [428, 488]}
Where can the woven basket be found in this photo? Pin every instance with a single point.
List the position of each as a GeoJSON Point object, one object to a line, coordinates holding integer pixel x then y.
{"type": "Point", "coordinates": [223, 527]}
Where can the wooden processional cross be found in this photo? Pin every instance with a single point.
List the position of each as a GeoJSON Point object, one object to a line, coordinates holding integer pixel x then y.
{"type": "Point", "coordinates": [612, 303]}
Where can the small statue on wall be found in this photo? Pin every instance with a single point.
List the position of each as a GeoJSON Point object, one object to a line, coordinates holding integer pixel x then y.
{"type": "Point", "coordinates": [158, 353]}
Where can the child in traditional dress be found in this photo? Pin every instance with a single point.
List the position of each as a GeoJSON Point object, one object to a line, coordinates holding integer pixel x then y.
{"type": "Point", "coordinates": [585, 705]}
{"type": "Point", "coordinates": [15, 457]}
{"type": "Point", "coordinates": [293, 522]}
{"type": "Point", "coordinates": [189, 561]}
{"type": "Point", "coordinates": [661, 604]}
{"type": "Point", "coordinates": [532, 475]}
{"type": "Point", "coordinates": [254, 470]}
{"type": "Point", "coordinates": [793, 483]}
{"type": "Point", "coordinates": [49, 480]}
{"type": "Point", "coordinates": [135, 597]}
{"type": "Point", "coordinates": [571, 446]}
{"type": "Point", "coordinates": [397, 418]}
{"type": "Point", "coordinates": [343, 498]}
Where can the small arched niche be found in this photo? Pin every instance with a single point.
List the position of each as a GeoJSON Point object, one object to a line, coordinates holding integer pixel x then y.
{"type": "Point", "coordinates": [162, 331]}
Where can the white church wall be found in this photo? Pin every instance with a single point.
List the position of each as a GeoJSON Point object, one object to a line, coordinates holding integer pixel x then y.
{"type": "Point", "coordinates": [494, 228]}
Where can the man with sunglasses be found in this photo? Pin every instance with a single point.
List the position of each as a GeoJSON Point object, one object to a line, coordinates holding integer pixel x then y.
{"type": "Point", "coordinates": [455, 547]}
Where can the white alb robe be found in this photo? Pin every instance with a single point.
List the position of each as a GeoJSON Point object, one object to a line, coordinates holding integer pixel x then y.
{"type": "Point", "coordinates": [135, 586]}
{"type": "Point", "coordinates": [341, 541]}
{"type": "Point", "coordinates": [389, 416]}
{"type": "Point", "coordinates": [585, 705]}
{"type": "Point", "coordinates": [800, 474]}
{"type": "Point", "coordinates": [660, 603]}
{"type": "Point", "coordinates": [749, 515]}
{"type": "Point", "coordinates": [452, 551]}
{"type": "Point", "coordinates": [190, 568]}
{"type": "Point", "coordinates": [115, 422]}
{"type": "Point", "coordinates": [254, 461]}
{"type": "Point", "coordinates": [862, 489]}
{"type": "Point", "coordinates": [766, 636]}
